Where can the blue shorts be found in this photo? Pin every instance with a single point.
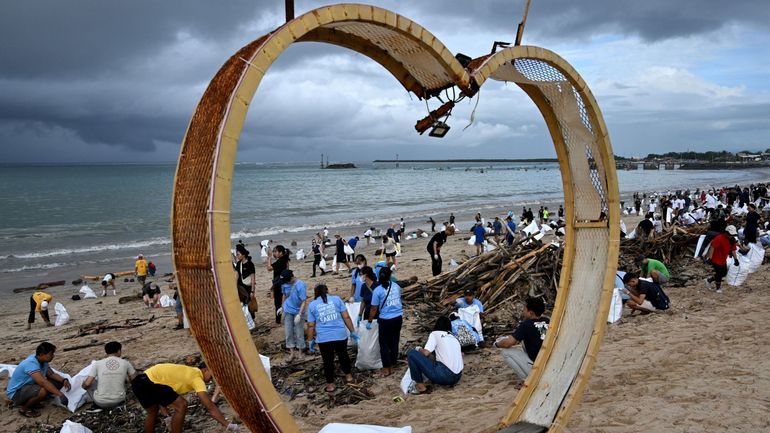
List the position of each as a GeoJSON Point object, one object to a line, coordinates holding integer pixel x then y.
{"type": "Point", "coordinates": [178, 306]}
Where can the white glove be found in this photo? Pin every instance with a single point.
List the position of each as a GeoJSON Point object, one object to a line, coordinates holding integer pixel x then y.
{"type": "Point", "coordinates": [435, 256]}
{"type": "Point", "coordinates": [279, 311]}
{"type": "Point", "coordinates": [297, 319]}
{"type": "Point", "coordinates": [233, 427]}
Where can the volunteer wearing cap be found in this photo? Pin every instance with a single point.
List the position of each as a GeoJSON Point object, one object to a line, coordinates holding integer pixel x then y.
{"type": "Point", "coordinates": [38, 302]}
{"type": "Point", "coordinates": [294, 312]}
{"type": "Point", "coordinates": [140, 269]}
{"type": "Point", "coordinates": [164, 385]}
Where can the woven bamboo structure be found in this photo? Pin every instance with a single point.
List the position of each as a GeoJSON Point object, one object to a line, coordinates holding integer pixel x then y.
{"type": "Point", "coordinates": [424, 66]}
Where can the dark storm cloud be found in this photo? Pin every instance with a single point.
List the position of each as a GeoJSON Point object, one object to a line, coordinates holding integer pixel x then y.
{"type": "Point", "coordinates": [128, 74]}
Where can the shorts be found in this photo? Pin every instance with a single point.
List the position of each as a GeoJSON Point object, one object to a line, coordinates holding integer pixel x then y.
{"type": "Point", "coordinates": [178, 306]}
{"type": "Point", "coordinates": [342, 258]}
{"type": "Point", "coordinates": [662, 279]}
{"type": "Point", "coordinates": [23, 394]}
{"type": "Point", "coordinates": [141, 278]}
{"type": "Point", "coordinates": [647, 305]}
{"type": "Point", "coordinates": [152, 394]}
{"type": "Point", "coordinates": [393, 254]}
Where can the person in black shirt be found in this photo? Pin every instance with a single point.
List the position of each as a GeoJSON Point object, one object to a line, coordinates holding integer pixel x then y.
{"type": "Point", "coordinates": [531, 333]}
{"type": "Point", "coordinates": [645, 296]}
{"type": "Point", "coordinates": [317, 256]}
{"type": "Point", "coordinates": [434, 249]}
{"type": "Point", "coordinates": [281, 263]}
{"type": "Point", "coordinates": [245, 270]}
{"type": "Point", "coordinates": [432, 224]}
{"type": "Point", "coordinates": [751, 229]}
{"type": "Point", "coordinates": [644, 229]}
{"type": "Point", "coordinates": [367, 289]}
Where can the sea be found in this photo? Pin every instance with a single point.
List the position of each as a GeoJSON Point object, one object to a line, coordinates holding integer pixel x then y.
{"type": "Point", "coordinates": [58, 221]}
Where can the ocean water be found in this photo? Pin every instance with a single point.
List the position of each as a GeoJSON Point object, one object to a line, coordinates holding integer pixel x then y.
{"type": "Point", "coordinates": [54, 219]}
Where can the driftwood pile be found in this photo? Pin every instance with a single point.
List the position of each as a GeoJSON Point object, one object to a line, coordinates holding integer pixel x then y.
{"type": "Point", "coordinates": [505, 277]}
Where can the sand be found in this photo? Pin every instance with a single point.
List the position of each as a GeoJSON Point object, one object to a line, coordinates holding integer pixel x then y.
{"type": "Point", "coordinates": [701, 366]}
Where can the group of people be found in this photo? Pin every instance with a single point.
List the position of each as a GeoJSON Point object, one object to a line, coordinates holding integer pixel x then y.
{"type": "Point", "coordinates": [159, 389]}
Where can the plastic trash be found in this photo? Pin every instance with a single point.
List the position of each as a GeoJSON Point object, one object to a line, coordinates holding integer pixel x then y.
{"type": "Point", "coordinates": [266, 364]}
{"type": "Point", "coordinates": [472, 240]}
{"type": "Point", "coordinates": [616, 307]}
{"type": "Point", "coordinates": [73, 427]}
{"type": "Point", "coordinates": [406, 381]}
{"type": "Point", "coordinates": [353, 308]}
{"type": "Point", "coordinates": [300, 254]}
{"type": "Point", "coordinates": [322, 264]}
{"type": "Point", "coordinates": [452, 264]}
{"type": "Point", "coordinates": [249, 321]}
{"type": "Point", "coordinates": [472, 315]}
{"type": "Point", "coordinates": [62, 317]}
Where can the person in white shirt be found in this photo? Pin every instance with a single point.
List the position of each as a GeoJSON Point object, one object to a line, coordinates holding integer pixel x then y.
{"type": "Point", "coordinates": [110, 375]}
{"type": "Point", "coordinates": [108, 280]}
{"type": "Point", "coordinates": [441, 360]}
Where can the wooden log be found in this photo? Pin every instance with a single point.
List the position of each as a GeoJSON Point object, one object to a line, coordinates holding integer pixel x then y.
{"type": "Point", "coordinates": [99, 277]}
{"type": "Point", "coordinates": [40, 286]}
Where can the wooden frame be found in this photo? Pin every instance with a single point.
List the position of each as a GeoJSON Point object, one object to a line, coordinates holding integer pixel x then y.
{"type": "Point", "coordinates": [202, 193]}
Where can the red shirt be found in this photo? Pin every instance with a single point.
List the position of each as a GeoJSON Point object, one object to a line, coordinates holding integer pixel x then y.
{"type": "Point", "coordinates": [721, 247]}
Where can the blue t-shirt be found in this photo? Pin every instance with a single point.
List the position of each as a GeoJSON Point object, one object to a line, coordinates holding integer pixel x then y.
{"type": "Point", "coordinates": [295, 295]}
{"type": "Point", "coordinates": [353, 242]}
{"type": "Point", "coordinates": [512, 226]}
{"type": "Point", "coordinates": [497, 226]}
{"type": "Point", "coordinates": [22, 376]}
{"type": "Point", "coordinates": [358, 279]}
{"type": "Point", "coordinates": [391, 307]}
{"type": "Point", "coordinates": [329, 324]}
{"type": "Point", "coordinates": [479, 231]}
{"type": "Point", "coordinates": [462, 304]}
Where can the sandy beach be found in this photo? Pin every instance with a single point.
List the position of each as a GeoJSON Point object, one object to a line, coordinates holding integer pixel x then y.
{"type": "Point", "coordinates": [670, 372]}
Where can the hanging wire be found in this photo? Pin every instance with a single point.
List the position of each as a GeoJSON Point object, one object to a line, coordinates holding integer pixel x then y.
{"type": "Point", "coordinates": [473, 113]}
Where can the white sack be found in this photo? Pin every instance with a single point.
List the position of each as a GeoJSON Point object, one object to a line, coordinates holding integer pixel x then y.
{"type": "Point", "coordinates": [616, 307]}
{"type": "Point", "coordinates": [7, 368]}
{"type": "Point", "coordinates": [77, 396]}
{"type": "Point", "coordinates": [62, 317]}
{"type": "Point", "coordinates": [736, 275]}
{"type": "Point", "coordinates": [348, 250]}
{"type": "Point", "coordinates": [87, 292]}
{"type": "Point", "coordinates": [266, 364]}
{"type": "Point", "coordinates": [368, 348]}
{"type": "Point", "coordinates": [322, 264]}
{"type": "Point", "coordinates": [300, 254]}
{"type": "Point", "coordinates": [756, 256]}
{"type": "Point", "coordinates": [334, 263]}
{"type": "Point", "coordinates": [166, 301]}
{"type": "Point", "coordinates": [531, 229]}
{"type": "Point", "coordinates": [352, 308]}
{"type": "Point", "coordinates": [472, 240]}
{"type": "Point", "coordinates": [471, 314]}
{"type": "Point", "coordinates": [73, 427]}
{"type": "Point", "coordinates": [249, 321]}
{"type": "Point", "coordinates": [406, 381]}
{"type": "Point", "coordinates": [362, 428]}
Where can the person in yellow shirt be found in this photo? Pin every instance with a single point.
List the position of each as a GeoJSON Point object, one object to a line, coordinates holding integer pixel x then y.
{"type": "Point", "coordinates": [38, 302]}
{"type": "Point", "coordinates": [164, 385]}
{"type": "Point", "coordinates": [140, 269]}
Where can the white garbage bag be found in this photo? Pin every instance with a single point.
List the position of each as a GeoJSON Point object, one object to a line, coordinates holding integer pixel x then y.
{"type": "Point", "coordinates": [531, 229]}
{"type": "Point", "coordinates": [87, 292]}
{"type": "Point", "coordinates": [322, 264]}
{"type": "Point", "coordinates": [73, 427]}
{"type": "Point", "coordinates": [166, 301]}
{"type": "Point", "coordinates": [616, 307]}
{"type": "Point", "coordinates": [62, 317]}
{"type": "Point", "coordinates": [362, 428]}
{"type": "Point", "coordinates": [334, 263]}
{"type": "Point", "coordinates": [756, 256]}
{"type": "Point", "coordinates": [266, 364]}
{"type": "Point", "coordinates": [472, 315]}
{"type": "Point", "coordinates": [353, 308]}
{"type": "Point", "coordinates": [736, 275]}
{"type": "Point", "coordinates": [249, 321]}
{"type": "Point", "coordinates": [406, 381]}
{"type": "Point", "coordinates": [368, 347]}
{"type": "Point", "coordinates": [300, 254]}
{"type": "Point", "coordinates": [472, 240]}
{"type": "Point", "coordinates": [348, 250]}
{"type": "Point", "coordinates": [452, 264]}
{"type": "Point", "coordinates": [7, 368]}
{"type": "Point", "coordinates": [76, 396]}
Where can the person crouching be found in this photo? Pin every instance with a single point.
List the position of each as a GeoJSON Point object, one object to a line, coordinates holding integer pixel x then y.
{"type": "Point", "coordinates": [441, 360]}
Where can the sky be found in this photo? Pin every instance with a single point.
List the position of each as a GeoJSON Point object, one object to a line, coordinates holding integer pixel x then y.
{"type": "Point", "coordinates": [96, 81]}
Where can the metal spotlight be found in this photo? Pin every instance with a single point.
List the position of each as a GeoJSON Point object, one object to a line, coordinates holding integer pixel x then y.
{"type": "Point", "coordinates": [439, 129]}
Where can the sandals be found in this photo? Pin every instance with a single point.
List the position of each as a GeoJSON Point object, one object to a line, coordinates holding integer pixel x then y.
{"type": "Point", "coordinates": [29, 413]}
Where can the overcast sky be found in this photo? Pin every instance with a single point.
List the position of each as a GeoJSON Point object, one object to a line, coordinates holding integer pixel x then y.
{"type": "Point", "coordinates": [90, 81]}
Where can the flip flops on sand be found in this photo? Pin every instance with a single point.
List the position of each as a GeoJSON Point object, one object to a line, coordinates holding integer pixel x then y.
{"type": "Point", "coordinates": [29, 413]}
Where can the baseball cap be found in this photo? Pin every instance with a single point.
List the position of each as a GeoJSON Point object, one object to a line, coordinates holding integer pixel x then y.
{"type": "Point", "coordinates": [731, 229]}
{"type": "Point", "coordinates": [44, 305]}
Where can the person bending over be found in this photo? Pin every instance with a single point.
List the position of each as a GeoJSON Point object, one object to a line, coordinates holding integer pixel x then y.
{"type": "Point", "coordinates": [164, 385]}
{"type": "Point", "coordinates": [38, 303]}
{"type": "Point", "coordinates": [530, 333]}
{"type": "Point", "coordinates": [644, 296]}
{"type": "Point", "coordinates": [651, 268]}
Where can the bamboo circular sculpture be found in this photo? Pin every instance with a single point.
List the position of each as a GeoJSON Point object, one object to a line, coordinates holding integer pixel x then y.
{"type": "Point", "coordinates": [424, 66]}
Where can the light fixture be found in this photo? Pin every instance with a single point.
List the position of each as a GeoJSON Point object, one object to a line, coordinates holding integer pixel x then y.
{"type": "Point", "coordinates": [439, 129]}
